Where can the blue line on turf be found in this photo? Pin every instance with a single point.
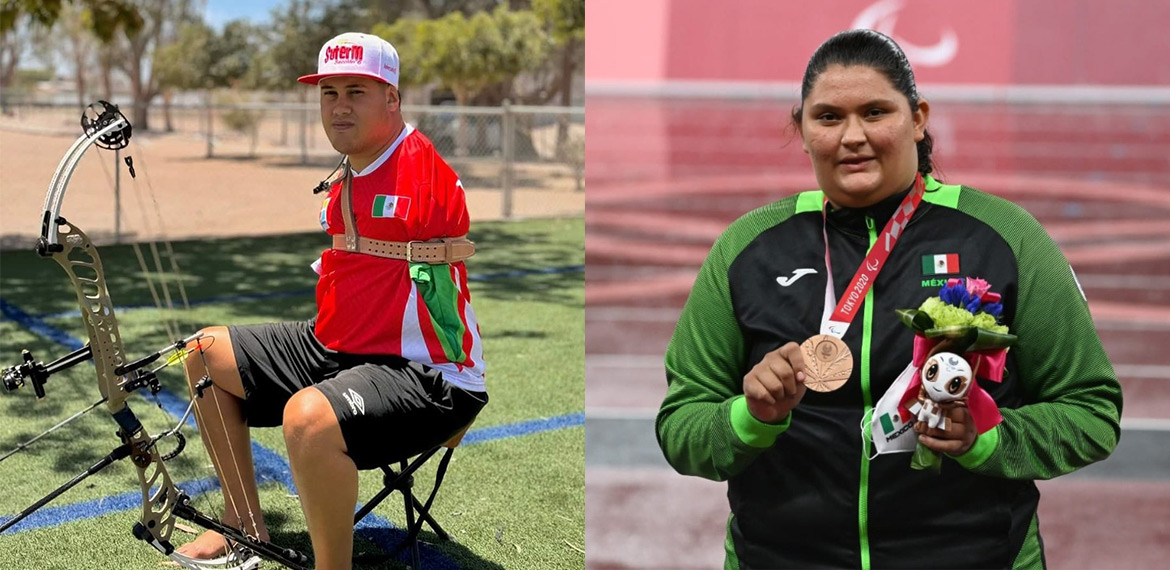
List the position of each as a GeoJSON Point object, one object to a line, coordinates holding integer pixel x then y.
{"type": "Point", "coordinates": [269, 466]}
{"type": "Point", "coordinates": [39, 326]}
{"type": "Point", "coordinates": [53, 516]}
{"type": "Point", "coordinates": [524, 428]}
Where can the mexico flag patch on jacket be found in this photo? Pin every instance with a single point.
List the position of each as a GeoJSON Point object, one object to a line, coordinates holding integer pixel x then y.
{"type": "Point", "coordinates": [940, 264]}
{"type": "Point", "coordinates": [391, 206]}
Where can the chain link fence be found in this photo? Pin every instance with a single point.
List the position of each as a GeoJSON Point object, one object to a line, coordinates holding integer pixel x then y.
{"type": "Point", "coordinates": [503, 148]}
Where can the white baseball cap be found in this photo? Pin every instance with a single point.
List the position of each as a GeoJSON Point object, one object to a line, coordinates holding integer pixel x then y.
{"type": "Point", "coordinates": [353, 53]}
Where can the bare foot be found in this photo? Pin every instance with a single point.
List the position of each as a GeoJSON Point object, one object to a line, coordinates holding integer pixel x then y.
{"type": "Point", "coordinates": [209, 545]}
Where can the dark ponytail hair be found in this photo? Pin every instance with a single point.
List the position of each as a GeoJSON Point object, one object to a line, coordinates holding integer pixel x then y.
{"type": "Point", "coordinates": [876, 51]}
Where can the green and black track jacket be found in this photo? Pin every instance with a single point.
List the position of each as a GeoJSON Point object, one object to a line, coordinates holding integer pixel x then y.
{"type": "Point", "coordinates": [804, 493]}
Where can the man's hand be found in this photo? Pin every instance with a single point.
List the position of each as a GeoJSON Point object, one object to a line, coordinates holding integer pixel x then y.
{"type": "Point", "coordinates": [776, 384]}
{"type": "Point", "coordinates": [957, 439]}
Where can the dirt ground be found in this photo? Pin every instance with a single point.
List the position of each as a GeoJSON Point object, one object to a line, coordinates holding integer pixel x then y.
{"type": "Point", "coordinates": [181, 195]}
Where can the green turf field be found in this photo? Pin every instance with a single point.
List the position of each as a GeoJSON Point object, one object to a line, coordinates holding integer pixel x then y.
{"type": "Point", "coordinates": [515, 499]}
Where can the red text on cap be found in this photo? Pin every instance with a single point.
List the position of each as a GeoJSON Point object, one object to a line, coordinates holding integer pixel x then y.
{"type": "Point", "coordinates": [351, 54]}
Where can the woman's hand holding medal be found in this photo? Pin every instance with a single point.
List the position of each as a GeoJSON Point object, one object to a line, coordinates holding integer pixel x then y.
{"type": "Point", "coordinates": [775, 385]}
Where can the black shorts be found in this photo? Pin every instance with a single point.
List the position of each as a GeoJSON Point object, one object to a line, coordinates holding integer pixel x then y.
{"type": "Point", "coordinates": [389, 408]}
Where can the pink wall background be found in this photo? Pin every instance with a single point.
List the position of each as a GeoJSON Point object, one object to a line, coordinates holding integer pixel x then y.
{"type": "Point", "coordinates": [1037, 42]}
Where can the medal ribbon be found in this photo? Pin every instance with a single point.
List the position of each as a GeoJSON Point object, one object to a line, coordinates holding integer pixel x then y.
{"type": "Point", "coordinates": [837, 321]}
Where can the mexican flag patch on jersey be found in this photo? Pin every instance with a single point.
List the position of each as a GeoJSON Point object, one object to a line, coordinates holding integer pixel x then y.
{"type": "Point", "coordinates": [940, 264]}
{"type": "Point", "coordinates": [391, 206]}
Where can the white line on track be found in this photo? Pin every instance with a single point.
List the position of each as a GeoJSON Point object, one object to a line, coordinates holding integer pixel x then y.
{"type": "Point", "coordinates": [623, 361]}
{"type": "Point", "coordinates": [653, 362]}
{"type": "Point", "coordinates": [650, 315]}
{"type": "Point", "coordinates": [1157, 372]}
{"type": "Point", "coordinates": [1144, 424]}
{"type": "Point", "coordinates": [1106, 281]}
{"type": "Point", "coordinates": [632, 314]}
{"type": "Point", "coordinates": [600, 413]}
{"type": "Point", "coordinates": [965, 93]}
{"type": "Point", "coordinates": [648, 414]}
{"type": "Point", "coordinates": [1129, 326]}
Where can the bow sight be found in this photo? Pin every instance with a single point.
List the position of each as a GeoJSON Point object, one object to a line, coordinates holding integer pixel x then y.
{"type": "Point", "coordinates": [38, 372]}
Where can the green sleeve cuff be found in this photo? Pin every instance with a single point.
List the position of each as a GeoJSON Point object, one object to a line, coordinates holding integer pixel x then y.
{"type": "Point", "coordinates": [751, 431]}
{"type": "Point", "coordinates": [985, 445]}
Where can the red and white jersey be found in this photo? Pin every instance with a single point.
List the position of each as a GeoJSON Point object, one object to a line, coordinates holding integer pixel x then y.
{"type": "Point", "coordinates": [375, 305]}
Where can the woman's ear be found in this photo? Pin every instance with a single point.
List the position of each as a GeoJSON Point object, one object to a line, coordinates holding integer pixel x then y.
{"type": "Point", "coordinates": [796, 124]}
{"type": "Point", "coordinates": [921, 116]}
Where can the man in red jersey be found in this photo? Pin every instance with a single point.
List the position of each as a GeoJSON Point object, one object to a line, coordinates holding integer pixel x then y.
{"type": "Point", "coordinates": [392, 364]}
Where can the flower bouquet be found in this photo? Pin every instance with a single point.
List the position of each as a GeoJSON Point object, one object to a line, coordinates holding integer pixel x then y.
{"type": "Point", "coordinates": [962, 320]}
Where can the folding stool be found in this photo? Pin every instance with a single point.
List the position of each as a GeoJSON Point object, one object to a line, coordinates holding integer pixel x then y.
{"type": "Point", "coordinates": [403, 481]}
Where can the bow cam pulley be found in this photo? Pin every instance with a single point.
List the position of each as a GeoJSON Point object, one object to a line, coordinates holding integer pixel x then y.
{"type": "Point", "coordinates": [101, 115]}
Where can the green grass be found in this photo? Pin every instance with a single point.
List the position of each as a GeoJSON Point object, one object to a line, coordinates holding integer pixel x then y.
{"type": "Point", "coordinates": [510, 503]}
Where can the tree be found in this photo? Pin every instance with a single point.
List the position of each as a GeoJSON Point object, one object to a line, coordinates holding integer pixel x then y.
{"type": "Point", "coordinates": [132, 52]}
{"type": "Point", "coordinates": [299, 29]}
{"type": "Point", "coordinates": [13, 49]}
{"type": "Point", "coordinates": [233, 53]}
{"type": "Point", "coordinates": [107, 17]}
{"type": "Point", "coordinates": [382, 11]}
{"type": "Point", "coordinates": [565, 21]}
{"type": "Point", "coordinates": [76, 23]}
{"type": "Point", "coordinates": [12, 42]}
{"type": "Point", "coordinates": [402, 34]}
{"type": "Point", "coordinates": [184, 64]}
{"type": "Point", "coordinates": [200, 59]}
{"type": "Point", "coordinates": [466, 55]}
{"type": "Point", "coordinates": [107, 55]}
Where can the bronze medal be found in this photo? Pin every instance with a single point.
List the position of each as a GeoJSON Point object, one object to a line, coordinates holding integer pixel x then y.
{"type": "Point", "coordinates": [827, 363]}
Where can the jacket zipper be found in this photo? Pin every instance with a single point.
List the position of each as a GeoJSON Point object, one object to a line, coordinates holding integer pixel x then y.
{"type": "Point", "coordinates": [866, 338]}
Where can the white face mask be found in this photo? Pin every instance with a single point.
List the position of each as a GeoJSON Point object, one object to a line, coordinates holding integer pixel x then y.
{"type": "Point", "coordinates": [884, 425]}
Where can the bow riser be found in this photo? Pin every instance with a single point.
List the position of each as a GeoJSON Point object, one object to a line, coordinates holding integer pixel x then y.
{"type": "Point", "coordinates": [80, 260]}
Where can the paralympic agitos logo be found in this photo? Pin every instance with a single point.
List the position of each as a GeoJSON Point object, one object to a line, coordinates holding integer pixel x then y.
{"type": "Point", "coordinates": [343, 54]}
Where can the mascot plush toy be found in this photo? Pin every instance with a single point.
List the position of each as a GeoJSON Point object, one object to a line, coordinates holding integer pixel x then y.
{"type": "Point", "coordinates": [946, 377]}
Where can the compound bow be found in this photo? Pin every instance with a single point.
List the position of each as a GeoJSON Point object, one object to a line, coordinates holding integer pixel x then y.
{"type": "Point", "coordinates": [162, 502]}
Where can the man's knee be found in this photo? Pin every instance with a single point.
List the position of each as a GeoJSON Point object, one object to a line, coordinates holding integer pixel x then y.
{"type": "Point", "coordinates": [212, 355]}
{"type": "Point", "coordinates": [204, 351]}
{"type": "Point", "coordinates": [309, 422]}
